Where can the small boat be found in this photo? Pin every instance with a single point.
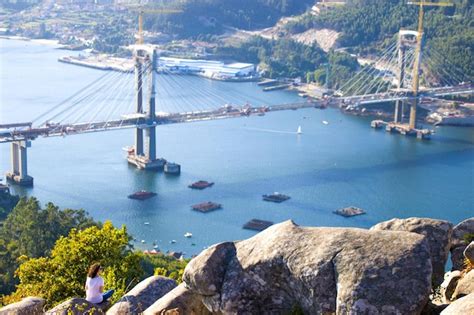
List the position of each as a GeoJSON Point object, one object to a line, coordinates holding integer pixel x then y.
{"type": "Point", "coordinates": [147, 223]}
{"type": "Point", "coordinates": [155, 247]}
{"type": "Point", "coordinates": [206, 206]}
{"type": "Point", "coordinates": [299, 130]}
{"type": "Point", "coordinates": [188, 235]}
{"type": "Point", "coordinates": [173, 242]}
{"type": "Point", "coordinates": [325, 122]}
{"type": "Point", "coordinates": [143, 241]}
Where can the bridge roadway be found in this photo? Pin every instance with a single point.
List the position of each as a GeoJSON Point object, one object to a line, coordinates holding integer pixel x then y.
{"type": "Point", "coordinates": [25, 131]}
{"type": "Point", "coordinates": [139, 121]}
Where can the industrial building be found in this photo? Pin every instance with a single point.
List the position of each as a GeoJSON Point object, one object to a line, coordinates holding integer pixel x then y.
{"type": "Point", "coordinates": [208, 68]}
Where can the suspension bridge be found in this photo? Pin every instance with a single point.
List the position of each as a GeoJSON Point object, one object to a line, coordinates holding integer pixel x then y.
{"type": "Point", "coordinates": [119, 100]}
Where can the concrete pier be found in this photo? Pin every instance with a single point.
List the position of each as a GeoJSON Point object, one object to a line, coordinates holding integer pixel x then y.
{"type": "Point", "coordinates": [403, 129]}
{"type": "Point", "coordinates": [19, 164]}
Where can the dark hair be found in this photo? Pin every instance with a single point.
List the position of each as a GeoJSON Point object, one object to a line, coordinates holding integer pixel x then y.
{"type": "Point", "coordinates": [93, 270]}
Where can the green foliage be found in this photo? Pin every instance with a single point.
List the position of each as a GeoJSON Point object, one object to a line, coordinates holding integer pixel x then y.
{"type": "Point", "coordinates": [468, 237]}
{"type": "Point", "coordinates": [62, 274]}
{"type": "Point", "coordinates": [30, 231]}
{"type": "Point", "coordinates": [166, 266]}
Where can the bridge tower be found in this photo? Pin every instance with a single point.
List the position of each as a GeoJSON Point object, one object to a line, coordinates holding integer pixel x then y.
{"type": "Point", "coordinates": [19, 171]}
{"type": "Point", "coordinates": [144, 154]}
{"type": "Point", "coordinates": [406, 40]}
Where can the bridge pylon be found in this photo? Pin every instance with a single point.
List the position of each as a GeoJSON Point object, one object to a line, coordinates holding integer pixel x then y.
{"type": "Point", "coordinates": [144, 154]}
{"type": "Point", "coordinates": [406, 40]}
{"type": "Point", "coordinates": [19, 167]}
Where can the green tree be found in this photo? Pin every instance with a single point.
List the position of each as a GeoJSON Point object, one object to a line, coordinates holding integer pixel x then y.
{"type": "Point", "coordinates": [62, 274]}
{"type": "Point", "coordinates": [31, 231]}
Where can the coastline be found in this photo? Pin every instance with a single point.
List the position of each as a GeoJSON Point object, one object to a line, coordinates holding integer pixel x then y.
{"type": "Point", "coordinates": [48, 42]}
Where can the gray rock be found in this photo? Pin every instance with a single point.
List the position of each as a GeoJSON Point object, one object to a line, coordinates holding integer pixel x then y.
{"type": "Point", "coordinates": [78, 306]}
{"type": "Point", "coordinates": [142, 295]}
{"type": "Point", "coordinates": [449, 285]}
{"type": "Point", "coordinates": [321, 270]}
{"type": "Point", "coordinates": [463, 306]}
{"type": "Point", "coordinates": [458, 243]}
{"type": "Point", "coordinates": [469, 253]}
{"type": "Point", "coordinates": [465, 285]}
{"type": "Point", "coordinates": [28, 306]}
{"type": "Point", "coordinates": [438, 234]}
{"type": "Point", "coordinates": [178, 301]}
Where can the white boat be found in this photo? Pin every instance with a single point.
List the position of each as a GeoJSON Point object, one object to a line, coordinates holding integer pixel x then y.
{"type": "Point", "coordinates": [172, 241]}
{"type": "Point", "coordinates": [147, 223]}
{"type": "Point", "coordinates": [325, 122]}
{"type": "Point", "coordinates": [299, 130]}
{"type": "Point", "coordinates": [143, 241]}
{"type": "Point", "coordinates": [188, 235]}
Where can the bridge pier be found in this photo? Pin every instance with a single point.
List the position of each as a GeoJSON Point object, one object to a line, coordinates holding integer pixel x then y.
{"type": "Point", "coordinates": [19, 171]}
{"type": "Point", "coordinates": [144, 155]}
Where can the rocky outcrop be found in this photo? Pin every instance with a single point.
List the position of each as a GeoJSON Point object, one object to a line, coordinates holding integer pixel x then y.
{"type": "Point", "coordinates": [178, 301]}
{"type": "Point", "coordinates": [142, 296]}
{"type": "Point", "coordinates": [459, 244]}
{"type": "Point", "coordinates": [465, 285]}
{"type": "Point", "coordinates": [463, 306]}
{"type": "Point", "coordinates": [27, 306]}
{"type": "Point", "coordinates": [78, 306]}
{"type": "Point", "coordinates": [438, 234]}
{"type": "Point", "coordinates": [320, 270]}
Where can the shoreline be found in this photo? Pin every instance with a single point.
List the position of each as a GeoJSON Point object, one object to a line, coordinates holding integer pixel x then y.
{"type": "Point", "coordinates": [46, 42]}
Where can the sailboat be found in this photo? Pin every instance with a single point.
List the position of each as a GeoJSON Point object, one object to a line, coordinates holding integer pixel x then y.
{"type": "Point", "coordinates": [299, 130]}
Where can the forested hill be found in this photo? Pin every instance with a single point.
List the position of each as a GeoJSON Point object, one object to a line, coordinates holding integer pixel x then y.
{"type": "Point", "coordinates": [210, 16]}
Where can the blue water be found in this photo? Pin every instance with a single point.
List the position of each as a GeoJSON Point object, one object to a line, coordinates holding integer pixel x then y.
{"type": "Point", "coordinates": [327, 167]}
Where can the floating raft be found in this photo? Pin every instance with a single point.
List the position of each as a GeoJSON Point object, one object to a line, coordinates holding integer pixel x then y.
{"type": "Point", "coordinates": [349, 211]}
{"type": "Point", "coordinates": [142, 195]}
{"type": "Point", "coordinates": [200, 185]}
{"type": "Point", "coordinates": [206, 206]}
{"type": "Point", "coordinates": [276, 197]}
{"type": "Point", "coordinates": [257, 225]}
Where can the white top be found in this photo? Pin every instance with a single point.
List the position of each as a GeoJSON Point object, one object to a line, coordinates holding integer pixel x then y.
{"type": "Point", "coordinates": [93, 293]}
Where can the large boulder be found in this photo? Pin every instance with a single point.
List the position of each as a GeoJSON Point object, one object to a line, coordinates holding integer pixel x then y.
{"type": "Point", "coordinates": [142, 296]}
{"type": "Point", "coordinates": [458, 242]}
{"type": "Point", "coordinates": [463, 306]}
{"type": "Point", "coordinates": [320, 270]}
{"type": "Point", "coordinates": [438, 234]}
{"type": "Point", "coordinates": [179, 301]}
{"type": "Point", "coordinates": [28, 306]}
{"type": "Point", "coordinates": [79, 306]}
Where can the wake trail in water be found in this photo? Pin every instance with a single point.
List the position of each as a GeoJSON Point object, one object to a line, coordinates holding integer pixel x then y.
{"type": "Point", "coordinates": [272, 131]}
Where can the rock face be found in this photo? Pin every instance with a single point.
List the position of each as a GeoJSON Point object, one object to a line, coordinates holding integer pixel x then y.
{"type": "Point", "coordinates": [27, 306]}
{"type": "Point", "coordinates": [458, 244]}
{"type": "Point", "coordinates": [438, 235]}
{"type": "Point", "coordinates": [142, 296]}
{"type": "Point", "coordinates": [463, 306]}
{"type": "Point", "coordinates": [78, 306]}
{"type": "Point", "coordinates": [321, 270]}
{"type": "Point", "coordinates": [178, 301]}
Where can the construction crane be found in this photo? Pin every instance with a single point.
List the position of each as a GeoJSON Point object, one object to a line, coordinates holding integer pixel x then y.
{"type": "Point", "coordinates": [142, 10]}
{"type": "Point", "coordinates": [416, 66]}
